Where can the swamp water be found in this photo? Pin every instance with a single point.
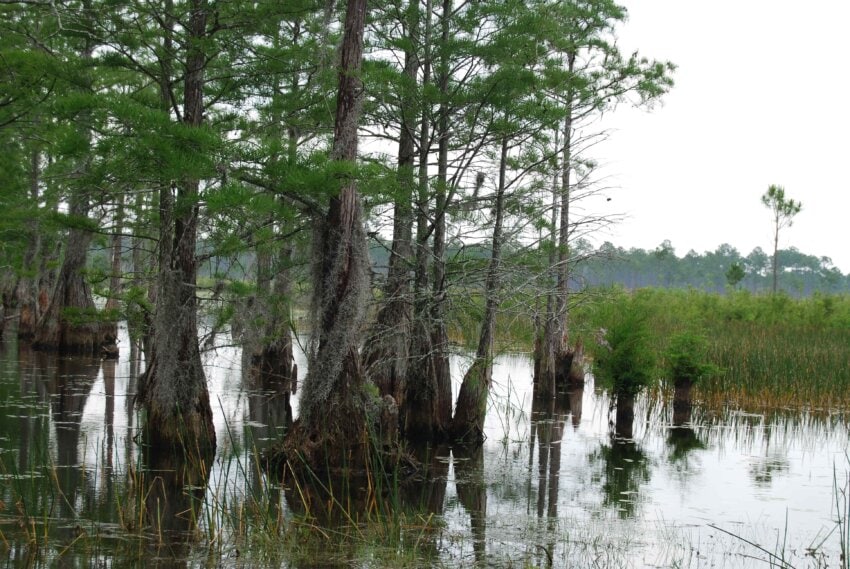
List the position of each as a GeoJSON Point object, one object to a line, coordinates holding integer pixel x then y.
{"type": "Point", "coordinates": [551, 486]}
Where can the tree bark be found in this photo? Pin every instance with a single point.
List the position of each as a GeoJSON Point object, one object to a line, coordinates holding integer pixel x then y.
{"type": "Point", "coordinates": [112, 303]}
{"type": "Point", "coordinates": [566, 361]}
{"type": "Point", "coordinates": [173, 392]}
{"type": "Point", "coordinates": [27, 288]}
{"type": "Point", "coordinates": [71, 323]}
{"type": "Point", "coordinates": [545, 344]}
{"type": "Point", "coordinates": [439, 334]}
{"type": "Point", "coordinates": [331, 432]}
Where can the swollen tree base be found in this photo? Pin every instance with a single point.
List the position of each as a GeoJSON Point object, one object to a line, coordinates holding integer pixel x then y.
{"type": "Point", "coordinates": [471, 408]}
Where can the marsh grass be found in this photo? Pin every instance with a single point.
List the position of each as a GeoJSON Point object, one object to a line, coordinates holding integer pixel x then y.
{"type": "Point", "coordinates": [241, 514]}
{"type": "Point", "coordinates": [762, 351]}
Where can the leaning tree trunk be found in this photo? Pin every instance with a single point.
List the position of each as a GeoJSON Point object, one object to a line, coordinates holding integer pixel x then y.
{"type": "Point", "coordinates": [331, 432]}
{"type": "Point", "coordinates": [173, 391]}
{"type": "Point", "coordinates": [471, 407]}
{"type": "Point", "coordinates": [387, 352]}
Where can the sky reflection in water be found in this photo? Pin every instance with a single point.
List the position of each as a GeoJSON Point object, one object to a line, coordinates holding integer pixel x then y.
{"type": "Point", "coordinates": [552, 483]}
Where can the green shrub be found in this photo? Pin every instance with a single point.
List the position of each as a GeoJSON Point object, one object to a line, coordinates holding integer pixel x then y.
{"type": "Point", "coordinates": [627, 363]}
{"type": "Point", "coordinates": [687, 358]}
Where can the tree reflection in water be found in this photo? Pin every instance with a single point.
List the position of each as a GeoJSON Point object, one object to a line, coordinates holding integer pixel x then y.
{"type": "Point", "coordinates": [681, 438]}
{"type": "Point", "coordinates": [69, 380]}
{"type": "Point", "coordinates": [170, 487]}
{"type": "Point", "coordinates": [472, 493]}
{"type": "Point", "coordinates": [624, 468]}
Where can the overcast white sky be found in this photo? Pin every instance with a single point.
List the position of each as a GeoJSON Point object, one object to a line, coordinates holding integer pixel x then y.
{"type": "Point", "coordinates": [762, 97]}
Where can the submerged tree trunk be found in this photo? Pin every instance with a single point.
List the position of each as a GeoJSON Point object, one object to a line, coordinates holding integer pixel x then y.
{"type": "Point", "coordinates": [173, 391]}
{"type": "Point", "coordinates": [71, 323]}
{"type": "Point", "coordinates": [331, 432]}
{"type": "Point", "coordinates": [682, 404]}
{"type": "Point", "coordinates": [624, 418]}
{"type": "Point", "coordinates": [272, 363]}
{"type": "Point", "coordinates": [546, 339]}
{"type": "Point", "coordinates": [471, 408]}
{"type": "Point", "coordinates": [439, 334]}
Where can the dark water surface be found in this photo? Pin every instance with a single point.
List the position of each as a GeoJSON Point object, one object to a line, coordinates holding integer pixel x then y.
{"type": "Point", "coordinates": [551, 487]}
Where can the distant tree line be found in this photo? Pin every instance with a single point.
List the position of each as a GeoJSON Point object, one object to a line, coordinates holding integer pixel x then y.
{"type": "Point", "coordinates": [725, 268]}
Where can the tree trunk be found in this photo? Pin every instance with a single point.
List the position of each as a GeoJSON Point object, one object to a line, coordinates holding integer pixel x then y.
{"type": "Point", "coordinates": [71, 324]}
{"type": "Point", "coordinates": [272, 361]}
{"type": "Point", "coordinates": [420, 414]}
{"type": "Point", "coordinates": [331, 432]}
{"type": "Point", "coordinates": [112, 303]}
{"type": "Point", "coordinates": [776, 256]}
{"type": "Point", "coordinates": [387, 350]}
{"type": "Point", "coordinates": [439, 334]}
{"type": "Point", "coordinates": [624, 418]}
{"type": "Point", "coordinates": [682, 403]}
{"type": "Point", "coordinates": [545, 344]}
{"type": "Point", "coordinates": [568, 359]}
{"type": "Point", "coordinates": [471, 407]}
{"type": "Point", "coordinates": [27, 288]}
{"type": "Point", "coordinates": [173, 392]}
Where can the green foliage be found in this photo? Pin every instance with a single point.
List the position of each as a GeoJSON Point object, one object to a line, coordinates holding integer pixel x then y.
{"type": "Point", "coordinates": [783, 209]}
{"type": "Point", "coordinates": [627, 363]}
{"type": "Point", "coordinates": [735, 274]}
{"type": "Point", "coordinates": [687, 355]}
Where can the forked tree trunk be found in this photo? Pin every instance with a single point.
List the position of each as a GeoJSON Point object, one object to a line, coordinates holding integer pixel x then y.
{"type": "Point", "coordinates": [557, 356]}
{"type": "Point", "coordinates": [173, 391]}
{"type": "Point", "coordinates": [331, 433]}
{"type": "Point", "coordinates": [421, 415]}
{"type": "Point", "coordinates": [388, 348]}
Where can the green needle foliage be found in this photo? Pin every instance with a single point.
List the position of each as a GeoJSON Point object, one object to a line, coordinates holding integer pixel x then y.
{"type": "Point", "coordinates": [627, 363]}
{"type": "Point", "coordinates": [687, 358]}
